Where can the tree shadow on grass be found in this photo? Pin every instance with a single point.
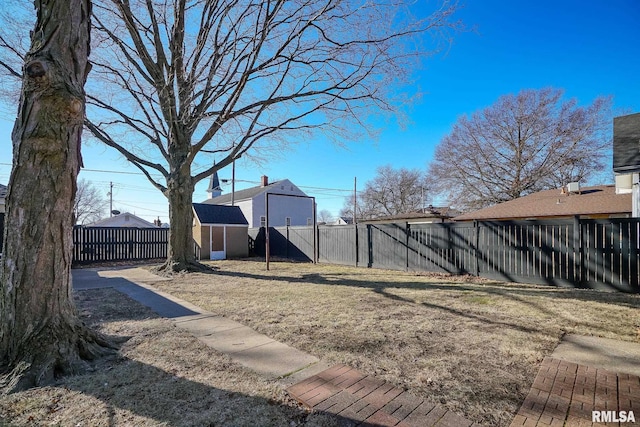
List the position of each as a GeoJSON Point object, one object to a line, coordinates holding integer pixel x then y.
{"type": "Point", "coordinates": [153, 393]}
{"type": "Point", "coordinates": [532, 296]}
{"type": "Point", "coordinates": [124, 386]}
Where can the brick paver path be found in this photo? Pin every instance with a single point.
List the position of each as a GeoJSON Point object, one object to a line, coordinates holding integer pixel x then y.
{"type": "Point", "coordinates": [363, 400]}
{"type": "Point", "coordinates": [565, 393]}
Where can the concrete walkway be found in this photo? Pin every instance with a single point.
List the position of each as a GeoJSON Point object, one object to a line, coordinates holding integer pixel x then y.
{"type": "Point", "coordinates": [258, 352]}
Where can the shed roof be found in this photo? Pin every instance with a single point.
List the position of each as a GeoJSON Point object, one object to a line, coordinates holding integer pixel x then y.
{"type": "Point", "coordinates": [219, 214]}
{"type": "Point", "coordinates": [597, 200]}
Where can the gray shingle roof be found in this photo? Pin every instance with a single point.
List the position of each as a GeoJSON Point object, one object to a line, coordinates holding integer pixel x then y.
{"type": "Point", "coordinates": [3, 191]}
{"type": "Point", "coordinates": [219, 214]}
{"type": "Point", "coordinates": [245, 194]}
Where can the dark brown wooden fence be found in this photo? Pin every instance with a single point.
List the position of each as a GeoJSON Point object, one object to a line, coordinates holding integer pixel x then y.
{"type": "Point", "coordinates": [600, 254]}
{"type": "Point", "coordinates": [104, 244]}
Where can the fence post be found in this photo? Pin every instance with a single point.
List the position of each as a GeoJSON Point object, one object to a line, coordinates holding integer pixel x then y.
{"type": "Point", "coordinates": [288, 243]}
{"type": "Point", "coordinates": [476, 227]}
{"type": "Point", "coordinates": [355, 227]}
{"type": "Point", "coordinates": [406, 244]}
{"type": "Point", "coordinates": [578, 252]}
{"type": "Point", "coordinates": [370, 245]}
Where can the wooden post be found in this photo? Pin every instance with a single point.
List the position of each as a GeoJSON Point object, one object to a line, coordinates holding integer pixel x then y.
{"type": "Point", "coordinates": [355, 222]}
{"type": "Point", "coordinates": [266, 228]}
{"type": "Point", "coordinates": [315, 231]}
{"type": "Point", "coordinates": [579, 271]}
{"type": "Point", "coordinates": [407, 232]}
{"type": "Point", "coordinates": [476, 226]}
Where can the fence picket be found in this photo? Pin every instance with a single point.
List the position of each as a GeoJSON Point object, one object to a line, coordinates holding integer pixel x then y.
{"type": "Point", "coordinates": [602, 254]}
{"type": "Point", "coordinates": [108, 244]}
{"type": "Point", "coordinates": [599, 254]}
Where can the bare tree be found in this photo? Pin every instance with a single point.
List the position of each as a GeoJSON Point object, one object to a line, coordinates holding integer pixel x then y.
{"type": "Point", "coordinates": [89, 205]}
{"type": "Point", "coordinates": [390, 192]}
{"type": "Point", "coordinates": [173, 79]}
{"type": "Point", "coordinates": [40, 334]}
{"type": "Point", "coordinates": [522, 144]}
{"type": "Point", "coordinates": [325, 216]}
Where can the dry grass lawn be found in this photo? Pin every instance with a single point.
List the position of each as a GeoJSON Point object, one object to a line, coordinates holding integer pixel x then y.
{"type": "Point", "coordinates": [162, 377]}
{"type": "Point", "coordinates": [470, 344]}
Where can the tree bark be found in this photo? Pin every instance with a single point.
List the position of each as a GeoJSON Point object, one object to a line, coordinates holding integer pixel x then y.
{"type": "Point", "coordinates": [180, 256]}
{"type": "Point", "coordinates": [41, 336]}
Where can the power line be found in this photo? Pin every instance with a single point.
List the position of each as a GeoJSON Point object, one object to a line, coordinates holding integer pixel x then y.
{"type": "Point", "coordinates": [138, 207]}
{"type": "Point", "coordinates": [312, 188]}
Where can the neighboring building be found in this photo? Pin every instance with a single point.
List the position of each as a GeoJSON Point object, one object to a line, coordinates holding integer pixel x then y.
{"type": "Point", "coordinates": [288, 205]}
{"type": "Point", "coordinates": [598, 202]}
{"type": "Point", "coordinates": [125, 219]}
{"type": "Point", "coordinates": [430, 215]}
{"type": "Point", "coordinates": [220, 231]}
{"type": "Point", "coordinates": [342, 220]}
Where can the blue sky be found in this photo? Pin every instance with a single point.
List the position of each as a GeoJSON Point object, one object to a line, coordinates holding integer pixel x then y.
{"type": "Point", "coordinates": [588, 48]}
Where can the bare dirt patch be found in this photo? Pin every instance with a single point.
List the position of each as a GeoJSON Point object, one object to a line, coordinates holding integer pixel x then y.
{"type": "Point", "coordinates": [473, 345]}
{"type": "Point", "coordinates": [162, 377]}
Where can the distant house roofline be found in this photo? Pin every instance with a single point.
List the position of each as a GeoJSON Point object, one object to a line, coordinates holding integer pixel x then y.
{"type": "Point", "coordinates": [105, 222]}
{"type": "Point", "coordinates": [600, 200]}
{"type": "Point", "coordinates": [431, 213]}
{"type": "Point", "coordinates": [248, 193]}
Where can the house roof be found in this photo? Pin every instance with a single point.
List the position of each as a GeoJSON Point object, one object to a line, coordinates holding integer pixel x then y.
{"type": "Point", "coordinates": [3, 191]}
{"type": "Point", "coordinates": [430, 213]}
{"type": "Point", "coordinates": [597, 200]}
{"type": "Point", "coordinates": [246, 194]}
{"type": "Point", "coordinates": [219, 214]}
{"type": "Point", "coordinates": [125, 219]}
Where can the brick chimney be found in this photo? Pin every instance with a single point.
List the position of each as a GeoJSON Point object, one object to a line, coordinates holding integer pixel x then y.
{"type": "Point", "coordinates": [264, 180]}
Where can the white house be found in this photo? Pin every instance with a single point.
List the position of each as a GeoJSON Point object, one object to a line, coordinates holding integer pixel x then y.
{"type": "Point", "coordinates": [124, 219]}
{"type": "Point", "coordinates": [288, 205]}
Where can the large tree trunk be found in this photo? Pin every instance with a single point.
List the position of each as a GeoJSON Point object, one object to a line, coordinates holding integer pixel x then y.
{"type": "Point", "coordinates": [179, 191]}
{"type": "Point", "coordinates": [41, 336]}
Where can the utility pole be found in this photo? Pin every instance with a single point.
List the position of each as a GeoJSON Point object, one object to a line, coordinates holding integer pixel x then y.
{"type": "Point", "coordinates": [355, 198]}
{"type": "Point", "coordinates": [110, 199]}
{"type": "Point", "coordinates": [233, 183]}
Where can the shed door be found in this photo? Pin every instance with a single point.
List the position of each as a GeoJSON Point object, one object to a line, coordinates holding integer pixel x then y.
{"type": "Point", "coordinates": [218, 242]}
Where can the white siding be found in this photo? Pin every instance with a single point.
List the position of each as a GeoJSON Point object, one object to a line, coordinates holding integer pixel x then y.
{"type": "Point", "coordinates": [247, 210]}
{"type": "Point", "coordinates": [299, 209]}
{"type": "Point", "coordinates": [280, 207]}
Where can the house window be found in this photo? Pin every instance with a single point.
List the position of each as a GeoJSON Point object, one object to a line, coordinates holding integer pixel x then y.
{"type": "Point", "coordinates": [263, 221]}
{"type": "Point", "coordinates": [309, 221]}
{"type": "Point", "coordinates": [287, 221]}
